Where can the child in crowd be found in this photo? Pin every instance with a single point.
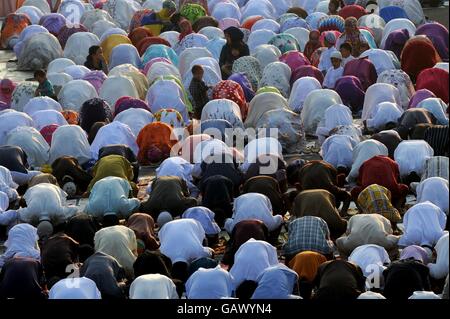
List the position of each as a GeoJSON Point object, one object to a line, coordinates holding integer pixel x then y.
{"type": "Point", "coordinates": [335, 72]}
{"type": "Point", "coordinates": [346, 52]}
{"type": "Point", "coordinates": [45, 88]}
{"type": "Point", "coordinates": [198, 90]}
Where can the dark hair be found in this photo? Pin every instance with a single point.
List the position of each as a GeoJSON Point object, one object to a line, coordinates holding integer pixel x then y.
{"type": "Point", "coordinates": [180, 271]}
{"type": "Point", "coordinates": [175, 18]}
{"type": "Point", "coordinates": [39, 73]}
{"type": "Point", "coordinates": [110, 220]}
{"type": "Point", "coordinates": [93, 49]}
{"type": "Point", "coordinates": [246, 289]}
{"type": "Point", "coordinates": [196, 68]}
{"type": "Point", "coordinates": [347, 46]}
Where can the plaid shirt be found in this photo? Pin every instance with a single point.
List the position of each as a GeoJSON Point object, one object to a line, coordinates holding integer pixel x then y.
{"type": "Point", "coordinates": [376, 199]}
{"type": "Point", "coordinates": [436, 166]}
{"type": "Point", "coordinates": [308, 233]}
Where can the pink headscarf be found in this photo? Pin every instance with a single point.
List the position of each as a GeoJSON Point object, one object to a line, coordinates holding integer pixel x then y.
{"type": "Point", "coordinates": [6, 89]}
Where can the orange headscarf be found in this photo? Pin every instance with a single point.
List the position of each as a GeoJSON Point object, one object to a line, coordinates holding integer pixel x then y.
{"type": "Point", "coordinates": [155, 135]}
{"type": "Point", "coordinates": [306, 263]}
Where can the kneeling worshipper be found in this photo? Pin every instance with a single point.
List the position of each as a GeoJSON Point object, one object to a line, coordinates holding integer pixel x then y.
{"type": "Point", "coordinates": [390, 138]}
{"type": "Point", "coordinates": [383, 171]}
{"type": "Point", "coordinates": [59, 257]}
{"type": "Point", "coordinates": [107, 273]}
{"type": "Point", "coordinates": [439, 269]}
{"type": "Point", "coordinates": [15, 159]}
{"type": "Point", "coordinates": [309, 233]}
{"type": "Point", "coordinates": [182, 241]}
{"type": "Point", "coordinates": [7, 217]}
{"type": "Point", "coordinates": [46, 203]}
{"type": "Point", "coordinates": [424, 224]}
{"type": "Point", "coordinates": [411, 157]}
{"type": "Point", "coordinates": [75, 288]}
{"type": "Point", "coordinates": [22, 242]}
{"type": "Point", "coordinates": [169, 193]}
{"type": "Point", "coordinates": [7, 185]}
{"type": "Point", "coordinates": [143, 226]}
{"type": "Point", "coordinates": [217, 195]}
{"type": "Point", "coordinates": [111, 196]}
{"type": "Point", "coordinates": [276, 282]}
{"type": "Point", "coordinates": [212, 283]}
{"type": "Point", "coordinates": [153, 286]}
{"type": "Point", "coordinates": [206, 217]}
{"type": "Point", "coordinates": [403, 277]}
{"type": "Point", "coordinates": [365, 229]}
{"type": "Point", "coordinates": [320, 203]}
{"type": "Point", "coordinates": [250, 261]}
{"type": "Point", "coordinates": [434, 190]}
{"type": "Point", "coordinates": [113, 165]}
{"type": "Point", "coordinates": [339, 280]}
{"type": "Point", "coordinates": [119, 242]}
{"type": "Point", "coordinates": [69, 173]}
{"type": "Point", "coordinates": [376, 199]}
{"type": "Point", "coordinates": [362, 152]}
{"type": "Point", "coordinates": [254, 206]}
{"type": "Point", "coordinates": [337, 150]}
{"type": "Point", "coordinates": [22, 278]}
{"type": "Point", "coordinates": [372, 259]}
{"type": "Point", "coordinates": [269, 187]}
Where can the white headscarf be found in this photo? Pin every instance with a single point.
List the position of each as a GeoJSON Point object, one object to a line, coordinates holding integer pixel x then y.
{"type": "Point", "coordinates": [397, 24]}
{"type": "Point", "coordinates": [41, 103]}
{"type": "Point", "coordinates": [371, 295]}
{"type": "Point", "coordinates": [424, 224]}
{"type": "Point", "coordinates": [113, 133]}
{"type": "Point", "coordinates": [119, 242]}
{"type": "Point", "coordinates": [77, 72]}
{"type": "Point", "coordinates": [439, 269]}
{"type": "Point", "coordinates": [159, 69]}
{"type": "Point", "coordinates": [434, 190]}
{"type": "Point", "coordinates": [223, 109]}
{"type": "Point", "coordinates": [21, 242]}
{"type": "Point", "coordinates": [338, 150]}
{"type": "Point", "coordinates": [33, 144]}
{"type": "Point", "coordinates": [315, 106]}
{"type": "Point", "coordinates": [267, 24]}
{"type": "Point", "coordinates": [258, 38]}
{"type": "Point", "coordinates": [153, 286]}
{"type": "Point", "coordinates": [376, 94]}
{"type": "Point", "coordinates": [401, 81]}
{"type": "Point", "coordinates": [301, 34]}
{"type": "Point", "coordinates": [334, 116]}
{"type": "Point", "coordinates": [10, 120]}
{"type": "Point", "coordinates": [213, 283]}
{"type": "Point", "coordinates": [189, 55]}
{"type": "Point", "coordinates": [136, 119]}
{"type": "Point", "coordinates": [424, 295]}
{"type": "Point", "coordinates": [382, 114]}
{"type": "Point", "coordinates": [253, 206]}
{"type": "Point", "coordinates": [276, 282]}
{"type": "Point", "coordinates": [262, 8]}
{"type": "Point", "coordinates": [205, 216]}
{"type": "Point", "coordinates": [262, 103]}
{"type": "Point", "coordinates": [277, 74]}
{"type": "Point", "coordinates": [380, 59]}
{"type": "Point", "coordinates": [75, 93]}
{"type": "Point", "coordinates": [266, 54]}
{"type": "Point", "coordinates": [437, 107]}
{"type": "Point", "coordinates": [175, 166]}
{"type": "Point", "coordinates": [78, 146]}
{"type": "Point", "coordinates": [7, 185]}
{"type": "Point", "coordinates": [411, 156]}
{"type": "Point", "coordinates": [181, 240]}
{"type": "Point", "coordinates": [370, 258]}
{"type": "Point", "coordinates": [363, 152]}
{"type": "Point", "coordinates": [44, 118]}
{"type": "Point", "coordinates": [46, 201]}
{"type": "Point", "coordinates": [77, 46]}
{"type": "Point", "coordinates": [251, 259]}
{"type": "Point", "coordinates": [261, 146]}
{"type": "Point", "coordinates": [75, 288]}
{"type": "Point", "coordinates": [114, 87]}
{"type": "Point", "coordinates": [58, 65]}
{"type": "Point", "coordinates": [300, 90]}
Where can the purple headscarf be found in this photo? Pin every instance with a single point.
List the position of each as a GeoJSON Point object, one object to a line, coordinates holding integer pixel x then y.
{"type": "Point", "coordinates": [294, 59]}
{"type": "Point", "coordinates": [307, 70]}
{"type": "Point", "coordinates": [351, 92]}
{"type": "Point", "coordinates": [53, 22]}
{"type": "Point", "coordinates": [396, 41]}
{"type": "Point", "coordinates": [438, 34]}
{"type": "Point", "coordinates": [128, 102]}
{"type": "Point", "coordinates": [67, 30]}
{"type": "Point", "coordinates": [419, 96]}
{"type": "Point", "coordinates": [96, 78]}
{"type": "Point", "coordinates": [245, 84]}
{"type": "Point", "coordinates": [416, 252]}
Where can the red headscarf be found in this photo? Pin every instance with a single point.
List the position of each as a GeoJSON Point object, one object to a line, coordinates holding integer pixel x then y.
{"type": "Point", "coordinates": [186, 29]}
{"type": "Point", "coordinates": [435, 80]}
{"type": "Point", "coordinates": [417, 55]}
{"type": "Point", "coordinates": [6, 90]}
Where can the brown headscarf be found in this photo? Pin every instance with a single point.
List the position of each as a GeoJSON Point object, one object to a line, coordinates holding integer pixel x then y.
{"type": "Point", "coordinates": [313, 44]}
{"type": "Point", "coordinates": [306, 263]}
{"type": "Point", "coordinates": [143, 226]}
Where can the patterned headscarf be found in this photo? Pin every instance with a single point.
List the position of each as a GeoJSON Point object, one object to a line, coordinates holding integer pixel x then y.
{"type": "Point", "coordinates": [47, 132]}
{"type": "Point", "coordinates": [71, 117]}
{"type": "Point", "coordinates": [330, 37]}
